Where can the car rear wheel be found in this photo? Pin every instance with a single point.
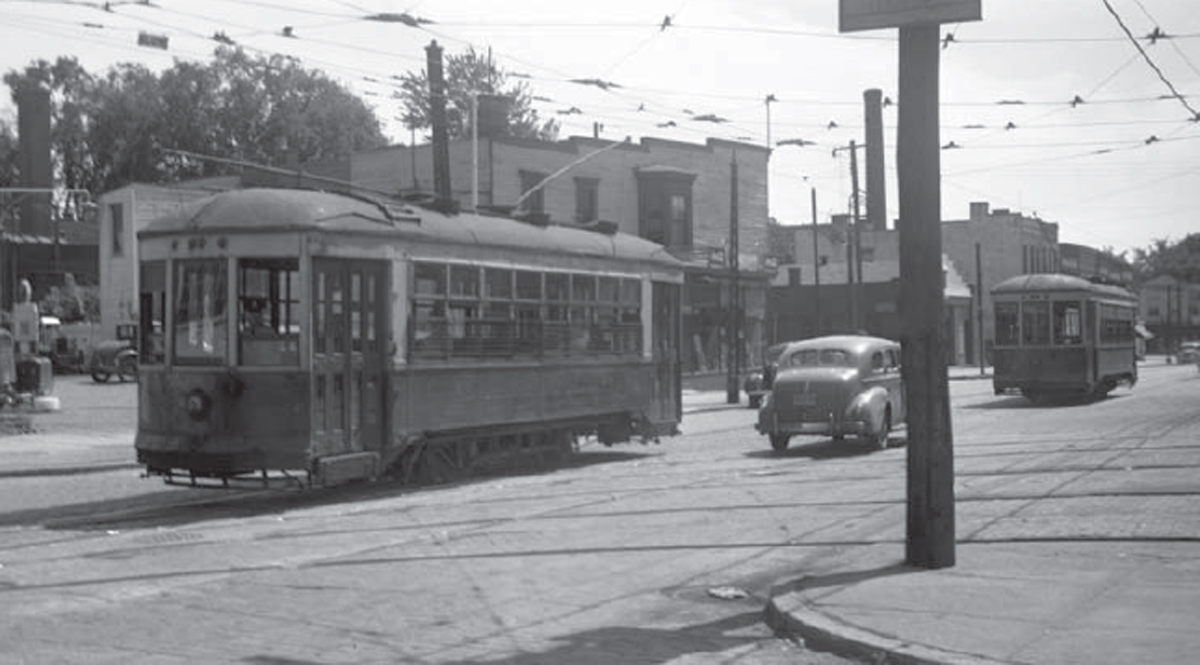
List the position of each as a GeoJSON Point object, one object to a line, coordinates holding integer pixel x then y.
{"type": "Point", "coordinates": [127, 368]}
{"type": "Point", "coordinates": [879, 440]}
{"type": "Point", "coordinates": [779, 442]}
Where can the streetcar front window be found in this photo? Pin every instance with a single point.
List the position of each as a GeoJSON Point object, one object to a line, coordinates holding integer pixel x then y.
{"type": "Point", "coordinates": [268, 311]}
{"type": "Point", "coordinates": [1007, 328]}
{"type": "Point", "coordinates": [1035, 323]}
{"type": "Point", "coordinates": [201, 325]}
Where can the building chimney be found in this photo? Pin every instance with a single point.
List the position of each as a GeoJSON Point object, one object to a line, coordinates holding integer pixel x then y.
{"type": "Point", "coordinates": [437, 117]}
{"type": "Point", "coordinates": [979, 211]}
{"type": "Point", "coordinates": [876, 189]}
{"type": "Point", "coordinates": [493, 115]}
{"type": "Point", "coordinates": [33, 123]}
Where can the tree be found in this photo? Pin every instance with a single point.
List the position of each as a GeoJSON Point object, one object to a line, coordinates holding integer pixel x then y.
{"type": "Point", "coordinates": [115, 129]}
{"type": "Point", "coordinates": [9, 172]}
{"type": "Point", "coordinates": [1180, 260]}
{"type": "Point", "coordinates": [467, 74]}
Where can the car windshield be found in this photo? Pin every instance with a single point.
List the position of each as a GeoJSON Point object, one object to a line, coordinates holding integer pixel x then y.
{"type": "Point", "coordinates": [821, 358]}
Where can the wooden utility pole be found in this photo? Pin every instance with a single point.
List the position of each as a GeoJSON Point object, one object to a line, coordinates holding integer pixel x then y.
{"type": "Point", "coordinates": [855, 227]}
{"type": "Point", "coordinates": [930, 542]}
{"type": "Point", "coordinates": [816, 262]}
{"type": "Point", "coordinates": [733, 343]}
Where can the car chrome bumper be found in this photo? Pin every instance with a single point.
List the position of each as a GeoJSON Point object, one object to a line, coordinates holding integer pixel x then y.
{"type": "Point", "coordinates": [815, 427]}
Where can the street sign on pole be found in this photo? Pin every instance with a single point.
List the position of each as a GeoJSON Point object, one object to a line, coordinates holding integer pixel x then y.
{"type": "Point", "coordinates": [874, 14]}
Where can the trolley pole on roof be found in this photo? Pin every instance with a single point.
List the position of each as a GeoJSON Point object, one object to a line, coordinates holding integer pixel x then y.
{"type": "Point", "coordinates": [930, 518]}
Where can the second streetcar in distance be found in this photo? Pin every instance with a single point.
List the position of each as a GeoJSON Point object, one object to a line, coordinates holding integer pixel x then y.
{"type": "Point", "coordinates": [1061, 336]}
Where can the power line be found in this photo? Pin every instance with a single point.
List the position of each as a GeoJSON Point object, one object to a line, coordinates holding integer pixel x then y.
{"type": "Point", "coordinates": [1175, 93]}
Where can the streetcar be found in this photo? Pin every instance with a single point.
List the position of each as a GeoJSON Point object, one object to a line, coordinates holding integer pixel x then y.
{"type": "Point", "coordinates": [1061, 336]}
{"type": "Point", "coordinates": [325, 337]}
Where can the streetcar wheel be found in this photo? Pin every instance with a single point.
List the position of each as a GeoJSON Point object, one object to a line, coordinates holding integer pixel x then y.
{"type": "Point", "coordinates": [779, 442]}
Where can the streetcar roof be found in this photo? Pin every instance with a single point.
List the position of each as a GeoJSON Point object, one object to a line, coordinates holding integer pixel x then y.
{"type": "Point", "coordinates": [262, 209]}
{"type": "Point", "coordinates": [1057, 282]}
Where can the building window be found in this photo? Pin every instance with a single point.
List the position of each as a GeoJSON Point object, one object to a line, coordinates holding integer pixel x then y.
{"type": "Point", "coordinates": [665, 206]}
{"type": "Point", "coordinates": [535, 202]}
{"type": "Point", "coordinates": [116, 212]}
{"type": "Point", "coordinates": [587, 200]}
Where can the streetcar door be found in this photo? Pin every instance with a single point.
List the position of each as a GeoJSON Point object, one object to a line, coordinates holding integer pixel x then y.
{"type": "Point", "coordinates": [667, 380]}
{"type": "Point", "coordinates": [348, 359]}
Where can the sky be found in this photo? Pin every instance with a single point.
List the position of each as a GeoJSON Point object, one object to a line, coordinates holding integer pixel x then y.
{"type": "Point", "coordinates": [1047, 108]}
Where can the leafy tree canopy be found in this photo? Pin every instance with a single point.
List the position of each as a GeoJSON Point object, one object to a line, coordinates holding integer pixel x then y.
{"type": "Point", "coordinates": [1180, 259]}
{"type": "Point", "coordinates": [110, 130]}
{"type": "Point", "coordinates": [473, 73]}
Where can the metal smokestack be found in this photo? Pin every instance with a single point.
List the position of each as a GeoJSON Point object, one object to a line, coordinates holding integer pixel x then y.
{"type": "Point", "coordinates": [876, 190]}
{"type": "Point", "coordinates": [437, 117]}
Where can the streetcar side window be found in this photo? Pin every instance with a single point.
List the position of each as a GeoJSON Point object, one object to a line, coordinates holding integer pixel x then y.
{"type": "Point", "coordinates": [268, 302]}
{"type": "Point", "coordinates": [1035, 322]}
{"type": "Point", "coordinates": [1068, 328]}
{"type": "Point", "coordinates": [201, 324]}
{"type": "Point", "coordinates": [1116, 323]}
{"type": "Point", "coordinates": [1007, 328]}
{"type": "Point", "coordinates": [152, 308]}
{"type": "Point", "coordinates": [460, 310]}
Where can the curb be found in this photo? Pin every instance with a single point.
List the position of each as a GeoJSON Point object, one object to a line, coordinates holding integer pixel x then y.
{"type": "Point", "coordinates": [823, 632]}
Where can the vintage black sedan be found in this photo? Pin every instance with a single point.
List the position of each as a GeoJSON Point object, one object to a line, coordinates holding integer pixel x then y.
{"type": "Point", "coordinates": [835, 386]}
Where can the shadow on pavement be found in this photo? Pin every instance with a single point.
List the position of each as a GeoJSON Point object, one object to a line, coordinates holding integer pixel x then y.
{"type": "Point", "coordinates": [822, 449]}
{"type": "Point", "coordinates": [850, 577]}
{"type": "Point", "coordinates": [179, 506]}
{"type": "Point", "coordinates": [629, 644]}
{"type": "Point", "coordinates": [1019, 402]}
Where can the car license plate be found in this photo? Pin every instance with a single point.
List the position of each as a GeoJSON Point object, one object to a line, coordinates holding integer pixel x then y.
{"type": "Point", "coordinates": [804, 399]}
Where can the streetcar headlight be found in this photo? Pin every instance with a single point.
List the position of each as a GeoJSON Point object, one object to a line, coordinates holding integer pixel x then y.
{"type": "Point", "coordinates": [198, 404]}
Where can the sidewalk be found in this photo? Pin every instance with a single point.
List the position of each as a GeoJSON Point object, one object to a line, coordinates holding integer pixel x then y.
{"type": "Point", "coordinates": [56, 454]}
{"type": "Point", "coordinates": [1014, 602]}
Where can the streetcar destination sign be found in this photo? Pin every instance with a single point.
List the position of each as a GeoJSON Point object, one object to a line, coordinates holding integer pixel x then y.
{"type": "Point", "coordinates": [875, 14]}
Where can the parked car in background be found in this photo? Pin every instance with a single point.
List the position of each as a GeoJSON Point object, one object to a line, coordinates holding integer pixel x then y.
{"type": "Point", "coordinates": [835, 386]}
{"type": "Point", "coordinates": [1189, 352]}
{"type": "Point", "coordinates": [758, 383]}
{"type": "Point", "coordinates": [114, 356]}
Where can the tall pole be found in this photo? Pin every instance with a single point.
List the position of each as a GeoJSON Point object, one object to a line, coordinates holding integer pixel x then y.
{"type": "Point", "coordinates": [874, 169]}
{"type": "Point", "coordinates": [979, 306]}
{"type": "Point", "coordinates": [474, 152]}
{"type": "Point", "coordinates": [816, 262]}
{"type": "Point", "coordinates": [437, 117]}
{"type": "Point", "coordinates": [930, 468]}
{"type": "Point", "coordinates": [733, 343]}
{"type": "Point", "coordinates": [855, 288]}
